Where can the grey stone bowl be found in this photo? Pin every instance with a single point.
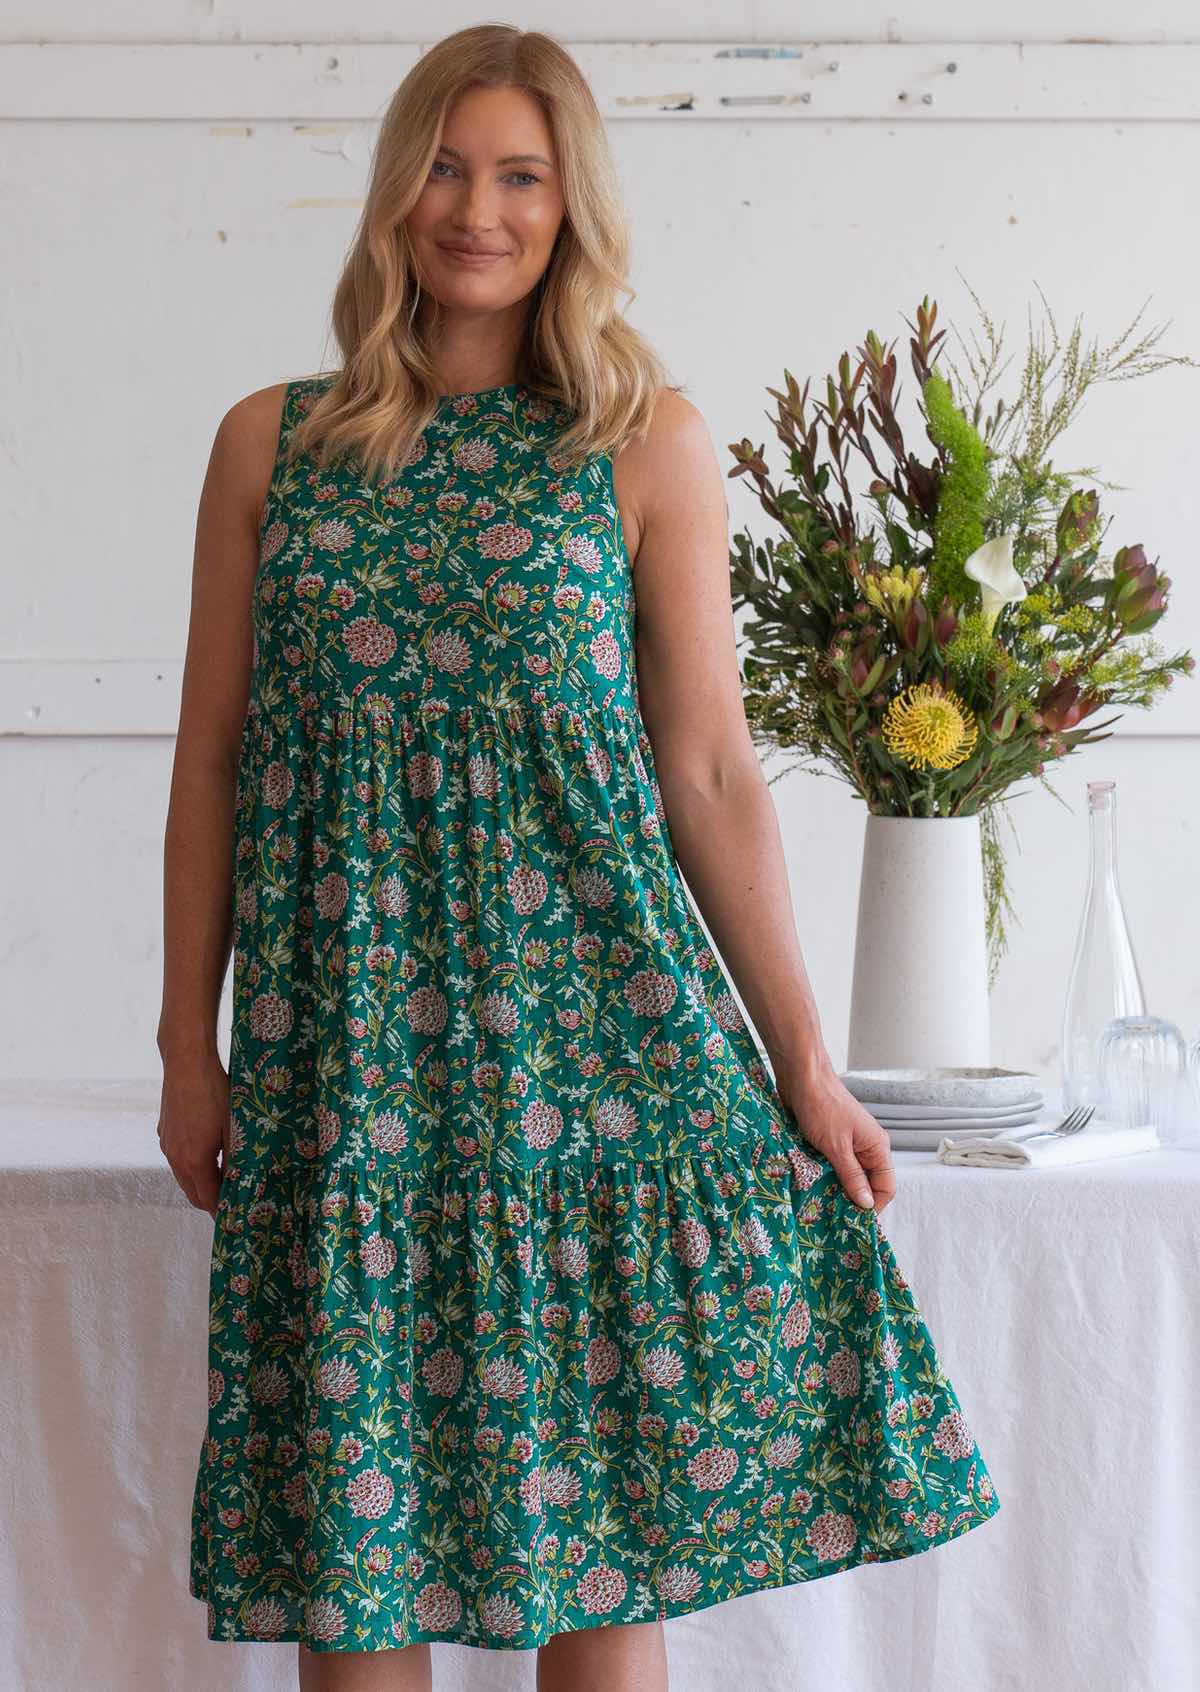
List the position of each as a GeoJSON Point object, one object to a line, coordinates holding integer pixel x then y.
{"type": "Point", "coordinates": [942, 1086]}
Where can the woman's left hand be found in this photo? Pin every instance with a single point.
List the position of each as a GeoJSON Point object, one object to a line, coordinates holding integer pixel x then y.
{"type": "Point", "coordinates": [841, 1126]}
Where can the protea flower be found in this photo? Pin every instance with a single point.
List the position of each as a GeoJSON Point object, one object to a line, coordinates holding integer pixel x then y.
{"type": "Point", "coordinates": [928, 725]}
{"type": "Point", "coordinates": [991, 565]}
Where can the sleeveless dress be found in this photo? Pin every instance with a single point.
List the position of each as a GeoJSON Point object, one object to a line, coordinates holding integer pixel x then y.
{"type": "Point", "coordinates": [531, 1307]}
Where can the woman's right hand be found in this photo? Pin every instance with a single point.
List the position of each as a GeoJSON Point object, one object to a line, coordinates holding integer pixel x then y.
{"type": "Point", "coordinates": [193, 1128]}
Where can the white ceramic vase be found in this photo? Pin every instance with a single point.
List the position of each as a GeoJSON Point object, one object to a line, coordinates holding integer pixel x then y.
{"type": "Point", "coordinates": [920, 992]}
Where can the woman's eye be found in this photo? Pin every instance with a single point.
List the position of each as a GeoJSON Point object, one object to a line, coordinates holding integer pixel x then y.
{"type": "Point", "coordinates": [439, 164]}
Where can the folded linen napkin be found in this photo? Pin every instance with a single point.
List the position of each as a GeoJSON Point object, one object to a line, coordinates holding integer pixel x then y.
{"type": "Point", "coordinates": [995, 1151]}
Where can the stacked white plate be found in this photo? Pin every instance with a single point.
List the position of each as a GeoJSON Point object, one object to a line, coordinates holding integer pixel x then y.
{"type": "Point", "coordinates": [918, 1106]}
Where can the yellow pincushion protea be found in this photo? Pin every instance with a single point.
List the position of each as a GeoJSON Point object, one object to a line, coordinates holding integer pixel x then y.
{"type": "Point", "coordinates": [927, 726]}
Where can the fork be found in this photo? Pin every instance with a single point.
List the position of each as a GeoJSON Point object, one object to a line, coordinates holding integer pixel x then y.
{"type": "Point", "coordinates": [1070, 1124]}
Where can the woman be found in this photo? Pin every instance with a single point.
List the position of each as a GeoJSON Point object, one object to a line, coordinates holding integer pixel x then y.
{"type": "Point", "coordinates": [540, 1313]}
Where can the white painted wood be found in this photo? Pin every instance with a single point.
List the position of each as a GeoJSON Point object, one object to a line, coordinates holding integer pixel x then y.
{"type": "Point", "coordinates": [896, 82]}
{"type": "Point", "coordinates": [157, 268]}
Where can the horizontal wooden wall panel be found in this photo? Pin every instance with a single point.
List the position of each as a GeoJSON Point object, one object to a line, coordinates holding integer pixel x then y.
{"type": "Point", "coordinates": [1089, 82]}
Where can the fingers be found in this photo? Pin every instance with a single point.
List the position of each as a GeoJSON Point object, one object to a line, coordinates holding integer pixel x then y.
{"type": "Point", "coordinates": [850, 1174]}
{"type": "Point", "coordinates": [201, 1187]}
{"type": "Point", "coordinates": [876, 1158]}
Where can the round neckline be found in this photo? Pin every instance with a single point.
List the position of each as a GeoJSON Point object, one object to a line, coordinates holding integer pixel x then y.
{"type": "Point", "coordinates": [480, 393]}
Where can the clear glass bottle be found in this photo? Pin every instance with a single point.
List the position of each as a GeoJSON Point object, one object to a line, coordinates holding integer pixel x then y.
{"type": "Point", "coordinates": [1104, 981]}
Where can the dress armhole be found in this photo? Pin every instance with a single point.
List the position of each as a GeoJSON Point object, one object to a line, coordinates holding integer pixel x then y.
{"type": "Point", "coordinates": [286, 421]}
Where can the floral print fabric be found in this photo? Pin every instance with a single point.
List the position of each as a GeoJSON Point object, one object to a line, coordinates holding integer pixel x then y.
{"type": "Point", "coordinates": [531, 1307]}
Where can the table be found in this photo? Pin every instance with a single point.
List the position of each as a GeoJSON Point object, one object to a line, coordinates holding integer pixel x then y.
{"type": "Point", "coordinates": [1063, 1304]}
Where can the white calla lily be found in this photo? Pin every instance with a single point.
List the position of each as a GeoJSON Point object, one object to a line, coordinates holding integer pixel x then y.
{"type": "Point", "coordinates": [991, 565]}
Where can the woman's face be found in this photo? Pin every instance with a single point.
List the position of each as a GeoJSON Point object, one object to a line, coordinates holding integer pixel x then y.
{"type": "Point", "coordinates": [493, 189]}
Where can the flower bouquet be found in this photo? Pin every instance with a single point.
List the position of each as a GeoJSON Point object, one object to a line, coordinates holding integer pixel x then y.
{"type": "Point", "coordinates": [953, 623]}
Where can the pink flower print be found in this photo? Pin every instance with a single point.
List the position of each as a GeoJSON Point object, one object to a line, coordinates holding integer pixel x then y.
{"type": "Point", "coordinates": [583, 551]}
{"type": "Point", "coordinates": [270, 1017]}
{"type": "Point", "coordinates": [754, 1236]}
{"type": "Point", "coordinates": [678, 1583]}
{"type": "Point", "coordinates": [426, 1010]}
{"type": "Point", "coordinates": [331, 894]}
{"type": "Point", "coordinates": [216, 1387]}
{"type": "Point", "coordinates": [266, 1619]}
{"type": "Point", "coordinates": [650, 993]}
{"type": "Point", "coordinates": [503, 1377]}
{"type": "Point", "coordinates": [713, 1468]}
{"type": "Point", "coordinates": [442, 1372]}
{"type": "Point", "coordinates": [597, 760]}
{"type": "Point", "coordinates": [561, 1486]}
{"type": "Point", "coordinates": [788, 1448]}
{"type": "Point", "coordinates": [616, 1119]}
{"type": "Point", "coordinates": [269, 1384]}
{"type": "Point", "coordinates": [504, 540]}
{"type": "Point", "coordinates": [797, 1322]}
{"type": "Point", "coordinates": [601, 1589]}
{"type": "Point", "coordinates": [691, 1242]}
{"type": "Point", "coordinates": [602, 1362]}
{"type": "Point", "coordinates": [424, 772]}
{"type": "Point", "coordinates": [570, 1257]}
{"type": "Point", "coordinates": [391, 896]}
{"type": "Point", "coordinates": [842, 1372]}
{"type": "Point", "coordinates": [662, 1366]}
{"type": "Point", "coordinates": [377, 1255]}
{"type": "Point", "coordinates": [502, 1616]}
{"type": "Point", "coordinates": [388, 1133]}
{"type": "Point", "coordinates": [527, 888]}
{"type": "Point", "coordinates": [726, 1012]}
{"type": "Point", "coordinates": [475, 453]}
{"type": "Point", "coordinates": [606, 655]}
{"type": "Point", "coordinates": [272, 541]}
{"type": "Point", "coordinates": [497, 1014]}
{"type": "Point", "coordinates": [370, 1493]}
{"type": "Point", "coordinates": [953, 1436]}
{"type": "Point", "coordinates": [420, 1261]}
{"type": "Point", "coordinates": [593, 888]}
{"type": "Point", "coordinates": [338, 1380]}
{"type": "Point", "coordinates": [437, 1607]}
{"type": "Point", "coordinates": [483, 778]}
{"type": "Point", "coordinates": [530, 1492]}
{"type": "Point", "coordinates": [369, 642]}
{"type": "Point", "coordinates": [450, 651]}
{"type": "Point", "coordinates": [324, 1620]}
{"type": "Point", "coordinates": [278, 785]}
{"type": "Point", "coordinates": [831, 1536]}
{"type": "Point", "coordinates": [541, 1123]}
{"type": "Point", "coordinates": [333, 534]}
{"type": "Point", "coordinates": [510, 596]}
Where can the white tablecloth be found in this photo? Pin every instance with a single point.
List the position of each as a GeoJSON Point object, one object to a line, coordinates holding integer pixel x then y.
{"type": "Point", "coordinates": [1065, 1305]}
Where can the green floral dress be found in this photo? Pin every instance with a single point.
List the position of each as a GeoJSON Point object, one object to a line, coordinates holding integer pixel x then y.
{"type": "Point", "coordinates": [531, 1307]}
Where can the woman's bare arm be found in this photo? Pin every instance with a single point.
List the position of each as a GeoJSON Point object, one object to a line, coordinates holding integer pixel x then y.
{"type": "Point", "coordinates": [719, 809]}
{"type": "Point", "coordinates": [198, 846]}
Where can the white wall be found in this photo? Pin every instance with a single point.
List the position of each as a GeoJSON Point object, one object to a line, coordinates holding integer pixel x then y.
{"type": "Point", "coordinates": [177, 199]}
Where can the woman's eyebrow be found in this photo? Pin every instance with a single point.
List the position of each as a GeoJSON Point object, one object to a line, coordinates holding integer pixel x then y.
{"type": "Point", "coordinates": [509, 158]}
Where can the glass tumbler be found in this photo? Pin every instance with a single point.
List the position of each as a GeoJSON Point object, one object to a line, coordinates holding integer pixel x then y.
{"type": "Point", "coordinates": [1142, 1062]}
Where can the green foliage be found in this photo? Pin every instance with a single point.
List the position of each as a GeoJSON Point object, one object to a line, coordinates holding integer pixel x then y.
{"type": "Point", "coordinates": [962, 496]}
{"type": "Point", "coordinates": [861, 594]}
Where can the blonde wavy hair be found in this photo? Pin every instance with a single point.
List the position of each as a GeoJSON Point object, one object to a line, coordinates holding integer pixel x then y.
{"type": "Point", "coordinates": [577, 350]}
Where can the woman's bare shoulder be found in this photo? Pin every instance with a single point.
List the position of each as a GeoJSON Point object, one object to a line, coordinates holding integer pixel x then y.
{"type": "Point", "coordinates": [675, 453]}
{"type": "Point", "coordinates": [246, 444]}
{"type": "Point", "coordinates": [676, 439]}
